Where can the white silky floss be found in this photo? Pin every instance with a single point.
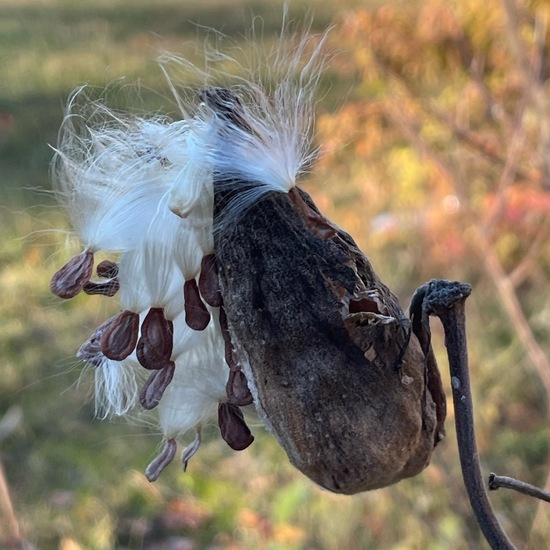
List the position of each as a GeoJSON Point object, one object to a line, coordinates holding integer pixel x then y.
{"type": "Point", "coordinates": [142, 188]}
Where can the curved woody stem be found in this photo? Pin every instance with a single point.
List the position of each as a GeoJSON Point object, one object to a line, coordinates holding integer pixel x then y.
{"type": "Point", "coordinates": [445, 300]}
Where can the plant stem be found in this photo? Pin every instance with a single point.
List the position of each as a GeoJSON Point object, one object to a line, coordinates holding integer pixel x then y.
{"type": "Point", "coordinates": [446, 300]}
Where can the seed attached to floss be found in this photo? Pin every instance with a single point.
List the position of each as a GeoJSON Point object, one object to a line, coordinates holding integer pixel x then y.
{"type": "Point", "coordinates": [209, 285]}
{"type": "Point", "coordinates": [238, 392]}
{"type": "Point", "coordinates": [166, 456]}
{"type": "Point", "coordinates": [105, 288]}
{"type": "Point", "coordinates": [156, 385]}
{"type": "Point", "coordinates": [156, 342]}
{"type": "Point", "coordinates": [90, 351]}
{"type": "Point", "coordinates": [197, 315]}
{"type": "Point", "coordinates": [233, 428]}
{"type": "Point", "coordinates": [107, 269]}
{"type": "Point", "coordinates": [120, 337]}
{"type": "Point", "coordinates": [72, 277]}
{"type": "Point", "coordinates": [190, 451]}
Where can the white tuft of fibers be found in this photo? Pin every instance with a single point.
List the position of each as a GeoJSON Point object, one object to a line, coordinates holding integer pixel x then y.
{"type": "Point", "coordinates": [269, 145]}
{"type": "Point", "coordinates": [198, 385]}
{"type": "Point", "coordinates": [116, 387]}
{"type": "Point", "coordinates": [111, 171]}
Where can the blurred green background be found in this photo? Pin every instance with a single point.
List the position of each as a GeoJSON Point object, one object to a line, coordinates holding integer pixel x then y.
{"type": "Point", "coordinates": [434, 123]}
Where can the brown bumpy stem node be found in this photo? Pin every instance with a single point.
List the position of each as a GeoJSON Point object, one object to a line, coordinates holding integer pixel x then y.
{"type": "Point", "coordinates": [233, 428]}
{"type": "Point", "coordinates": [156, 342]}
{"type": "Point", "coordinates": [72, 277]}
{"type": "Point", "coordinates": [120, 337]}
{"type": "Point", "coordinates": [197, 315]}
{"type": "Point", "coordinates": [166, 456]}
{"type": "Point", "coordinates": [446, 300]}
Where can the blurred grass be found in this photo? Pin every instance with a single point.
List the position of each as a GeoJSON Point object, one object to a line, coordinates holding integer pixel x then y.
{"type": "Point", "coordinates": [47, 48]}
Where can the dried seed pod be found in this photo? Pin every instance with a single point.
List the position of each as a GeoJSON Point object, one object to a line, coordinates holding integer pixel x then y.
{"type": "Point", "coordinates": [107, 269]}
{"type": "Point", "coordinates": [71, 278]}
{"type": "Point", "coordinates": [325, 347]}
{"type": "Point", "coordinates": [233, 428]}
{"type": "Point", "coordinates": [156, 342]}
{"type": "Point", "coordinates": [156, 385]}
{"type": "Point", "coordinates": [209, 284]}
{"type": "Point", "coordinates": [120, 337]}
{"type": "Point", "coordinates": [105, 288]}
{"type": "Point", "coordinates": [197, 315]}
{"type": "Point", "coordinates": [166, 456]}
{"type": "Point", "coordinates": [237, 389]}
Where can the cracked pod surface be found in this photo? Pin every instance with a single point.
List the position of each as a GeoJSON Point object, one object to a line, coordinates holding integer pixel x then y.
{"type": "Point", "coordinates": [333, 367]}
{"type": "Point", "coordinates": [330, 357]}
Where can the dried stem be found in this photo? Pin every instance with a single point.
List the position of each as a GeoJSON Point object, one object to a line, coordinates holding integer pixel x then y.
{"type": "Point", "coordinates": [445, 300]}
{"type": "Point", "coordinates": [496, 482]}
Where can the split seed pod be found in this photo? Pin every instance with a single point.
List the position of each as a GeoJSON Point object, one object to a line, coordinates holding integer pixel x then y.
{"type": "Point", "coordinates": [335, 370]}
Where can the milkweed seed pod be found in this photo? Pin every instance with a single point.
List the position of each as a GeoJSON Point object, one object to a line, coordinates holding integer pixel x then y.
{"type": "Point", "coordinates": [235, 289]}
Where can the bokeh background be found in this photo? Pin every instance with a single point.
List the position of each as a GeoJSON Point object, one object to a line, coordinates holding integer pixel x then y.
{"type": "Point", "coordinates": [434, 121]}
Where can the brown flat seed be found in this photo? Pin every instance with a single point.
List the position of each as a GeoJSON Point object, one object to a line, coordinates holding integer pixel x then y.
{"type": "Point", "coordinates": [197, 315]}
{"type": "Point", "coordinates": [120, 337]}
{"type": "Point", "coordinates": [166, 456]}
{"type": "Point", "coordinates": [105, 288]}
{"type": "Point", "coordinates": [209, 284]}
{"type": "Point", "coordinates": [107, 269]}
{"type": "Point", "coordinates": [156, 342]}
{"type": "Point", "coordinates": [72, 277]}
{"type": "Point", "coordinates": [237, 389]}
{"type": "Point", "coordinates": [90, 351]}
{"type": "Point", "coordinates": [189, 452]}
{"type": "Point", "coordinates": [156, 385]}
{"type": "Point", "coordinates": [233, 428]}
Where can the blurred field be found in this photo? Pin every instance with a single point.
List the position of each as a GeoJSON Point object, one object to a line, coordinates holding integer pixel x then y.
{"type": "Point", "coordinates": [416, 153]}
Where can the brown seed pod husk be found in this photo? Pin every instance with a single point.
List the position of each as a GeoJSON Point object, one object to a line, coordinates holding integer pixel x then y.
{"type": "Point", "coordinates": [197, 315]}
{"type": "Point", "coordinates": [233, 428]}
{"type": "Point", "coordinates": [156, 342]}
{"type": "Point", "coordinates": [338, 375]}
{"type": "Point", "coordinates": [156, 385]}
{"type": "Point", "coordinates": [71, 278]}
{"type": "Point", "coordinates": [209, 284]}
{"type": "Point", "coordinates": [120, 337]}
